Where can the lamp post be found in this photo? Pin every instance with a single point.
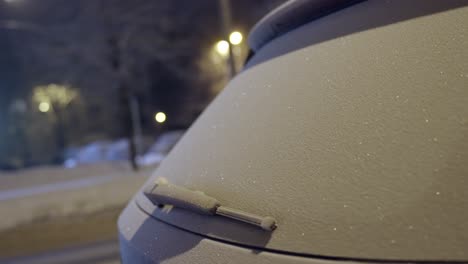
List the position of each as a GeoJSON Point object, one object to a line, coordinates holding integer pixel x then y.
{"type": "Point", "coordinates": [225, 10]}
{"type": "Point", "coordinates": [226, 48]}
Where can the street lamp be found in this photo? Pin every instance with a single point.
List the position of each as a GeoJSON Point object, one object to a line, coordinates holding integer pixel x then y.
{"type": "Point", "coordinates": [54, 94]}
{"type": "Point", "coordinates": [160, 117]}
{"type": "Point", "coordinates": [235, 38]}
{"type": "Point", "coordinates": [44, 107]}
{"type": "Point", "coordinates": [222, 47]}
{"type": "Point", "coordinates": [229, 49]}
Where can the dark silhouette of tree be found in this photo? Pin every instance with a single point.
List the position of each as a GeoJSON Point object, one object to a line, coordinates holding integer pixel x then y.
{"type": "Point", "coordinates": [116, 53]}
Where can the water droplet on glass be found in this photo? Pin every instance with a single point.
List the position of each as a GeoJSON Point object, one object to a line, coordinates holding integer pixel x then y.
{"type": "Point", "coordinates": [334, 229]}
{"type": "Point", "coordinates": [435, 139]}
{"type": "Point", "coordinates": [437, 193]}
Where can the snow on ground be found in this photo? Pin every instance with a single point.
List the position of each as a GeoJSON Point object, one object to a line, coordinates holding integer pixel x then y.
{"type": "Point", "coordinates": [48, 192]}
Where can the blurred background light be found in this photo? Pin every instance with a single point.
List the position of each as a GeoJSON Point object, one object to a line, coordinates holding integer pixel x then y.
{"type": "Point", "coordinates": [235, 38]}
{"type": "Point", "coordinates": [44, 107]}
{"type": "Point", "coordinates": [160, 117]}
{"type": "Point", "coordinates": [222, 47]}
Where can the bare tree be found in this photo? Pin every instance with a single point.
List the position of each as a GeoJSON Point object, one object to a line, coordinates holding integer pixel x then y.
{"type": "Point", "coordinates": [113, 51]}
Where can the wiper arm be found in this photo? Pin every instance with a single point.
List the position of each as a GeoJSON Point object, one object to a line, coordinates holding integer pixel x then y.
{"type": "Point", "coordinates": [163, 193]}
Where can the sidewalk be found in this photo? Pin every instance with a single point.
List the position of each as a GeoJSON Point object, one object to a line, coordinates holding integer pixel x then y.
{"type": "Point", "coordinates": [68, 208]}
{"type": "Point", "coordinates": [62, 192]}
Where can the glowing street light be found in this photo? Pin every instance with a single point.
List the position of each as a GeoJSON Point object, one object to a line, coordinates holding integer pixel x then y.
{"type": "Point", "coordinates": [58, 95]}
{"type": "Point", "coordinates": [160, 117]}
{"type": "Point", "coordinates": [222, 47]}
{"type": "Point", "coordinates": [235, 38]}
{"type": "Point", "coordinates": [229, 50]}
{"type": "Point", "coordinates": [44, 107]}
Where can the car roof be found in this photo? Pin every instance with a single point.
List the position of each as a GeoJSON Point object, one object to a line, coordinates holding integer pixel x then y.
{"type": "Point", "coordinates": [291, 15]}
